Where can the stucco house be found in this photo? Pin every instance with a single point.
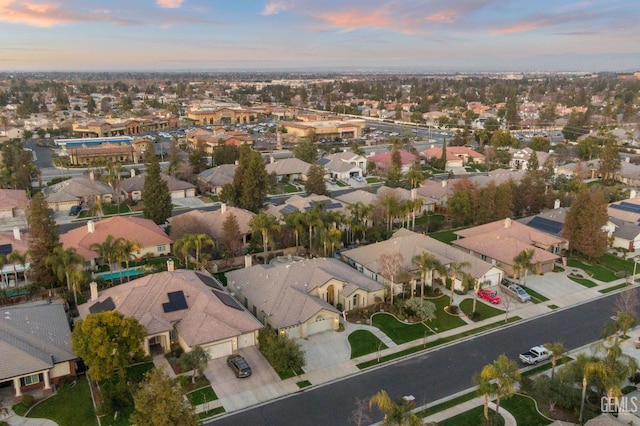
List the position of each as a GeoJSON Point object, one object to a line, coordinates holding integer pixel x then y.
{"type": "Point", "coordinates": [500, 241]}
{"type": "Point", "coordinates": [35, 346]}
{"type": "Point", "coordinates": [384, 160]}
{"type": "Point", "coordinates": [298, 202]}
{"type": "Point", "coordinates": [213, 179]}
{"type": "Point", "coordinates": [151, 238]}
{"type": "Point", "coordinates": [13, 204]}
{"type": "Point", "coordinates": [456, 156]}
{"type": "Point", "coordinates": [289, 169]}
{"type": "Point", "coordinates": [76, 191]}
{"type": "Point", "coordinates": [344, 165]}
{"type": "Point", "coordinates": [303, 297]}
{"type": "Point", "coordinates": [408, 244]}
{"type": "Point", "coordinates": [132, 187]}
{"type": "Point", "coordinates": [182, 307]}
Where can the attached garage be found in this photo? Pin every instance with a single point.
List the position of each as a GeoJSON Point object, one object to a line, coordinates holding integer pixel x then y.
{"type": "Point", "coordinates": [246, 340]}
{"type": "Point", "coordinates": [220, 350]}
{"type": "Point", "coordinates": [293, 332]}
{"type": "Point", "coordinates": [319, 325]}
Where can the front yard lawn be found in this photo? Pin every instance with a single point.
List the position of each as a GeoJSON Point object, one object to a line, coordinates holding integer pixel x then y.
{"type": "Point", "coordinates": [70, 406]}
{"type": "Point", "coordinates": [364, 342]}
{"type": "Point", "coordinates": [475, 416]}
{"type": "Point", "coordinates": [429, 218]}
{"type": "Point", "coordinates": [597, 272]}
{"type": "Point", "coordinates": [482, 308]}
{"type": "Point", "coordinates": [444, 236]}
{"type": "Point", "coordinates": [582, 281]}
{"type": "Point", "coordinates": [200, 396]}
{"type": "Point", "coordinates": [443, 321]}
{"type": "Point", "coordinates": [524, 410]}
{"type": "Point", "coordinates": [535, 296]}
{"type": "Point", "coordinates": [398, 331]}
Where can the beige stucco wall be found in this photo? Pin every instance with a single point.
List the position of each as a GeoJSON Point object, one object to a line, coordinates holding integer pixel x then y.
{"type": "Point", "coordinates": [59, 370]}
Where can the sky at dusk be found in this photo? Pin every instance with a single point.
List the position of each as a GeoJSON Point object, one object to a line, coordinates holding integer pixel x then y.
{"type": "Point", "coordinates": [255, 35]}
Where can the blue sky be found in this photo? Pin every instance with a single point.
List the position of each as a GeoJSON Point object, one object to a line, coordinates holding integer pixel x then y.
{"type": "Point", "coordinates": [428, 35]}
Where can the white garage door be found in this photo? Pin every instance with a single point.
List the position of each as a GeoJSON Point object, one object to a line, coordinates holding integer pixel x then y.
{"type": "Point", "coordinates": [177, 194]}
{"type": "Point", "coordinates": [319, 326]}
{"type": "Point", "coordinates": [494, 278]}
{"type": "Point", "coordinates": [220, 350]}
{"type": "Point", "coordinates": [246, 340]}
{"type": "Point", "coordinates": [293, 332]}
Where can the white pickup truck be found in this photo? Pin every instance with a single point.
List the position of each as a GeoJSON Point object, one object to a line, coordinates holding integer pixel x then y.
{"type": "Point", "coordinates": [535, 355]}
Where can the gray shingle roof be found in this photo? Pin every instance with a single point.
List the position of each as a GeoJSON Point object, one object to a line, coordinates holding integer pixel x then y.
{"type": "Point", "coordinates": [33, 338]}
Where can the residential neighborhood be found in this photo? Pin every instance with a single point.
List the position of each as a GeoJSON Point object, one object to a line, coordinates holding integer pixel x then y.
{"type": "Point", "coordinates": [247, 243]}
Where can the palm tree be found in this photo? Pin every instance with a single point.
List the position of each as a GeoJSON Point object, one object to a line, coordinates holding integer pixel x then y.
{"type": "Point", "coordinates": [395, 413]}
{"type": "Point", "coordinates": [16, 257]}
{"type": "Point", "coordinates": [455, 269]}
{"type": "Point", "coordinates": [108, 250]}
{"type": "Point", "coordinates": [522, 262]}
{"type": "Point", "coordinates": [313, 219]}
{"type": "Point", "coordinates": [128, 247]}
{"type": "Point", "coordinates": [182, 246]}
{"type": "Point", "coordinates": [64, 262]}
{"type": "Point", "coordinates": [201, 241]}
{"type": "Point", "coordinates": [266, 225]}
{"type": "Point", "coordinates": [390, 205]}
{"type": "Point", "coordinates": [113, 178]}
{"type": "Point", "coordinates": [295, 221]}
{"type": "Point", "coordinates": [415, 175]}
{"type": "Point", "coordinates": [427, 263]}
{"type": "Point", "coordinates": [505, 373]}
{"type": "Point", "coordinates": [590, 369]}
{"type": "Point", "coordinates": [76, 278]}
{"type": "Point", "coordinates": [331, 237]}
{"type": "Point", "coordinates": [485, 388]}
{"type": "Point", "coordinates": [557, 349]}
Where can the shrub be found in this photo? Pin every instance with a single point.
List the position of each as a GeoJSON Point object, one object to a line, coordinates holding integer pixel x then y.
{"type": "Point", "coordinates": [474, 316]}
{"type": "Point", "coordinates": [453, 309]}
{"type": "Point", "coordinates": [28, 401]}
{"type": "Point", "coordinates": [283, 353]}
{"type": "Point", "coordinates": [183, 381]}
{"type": "Point", "coordinates": [115, 398]}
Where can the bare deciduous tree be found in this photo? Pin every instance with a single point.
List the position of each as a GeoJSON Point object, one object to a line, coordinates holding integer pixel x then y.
{"type": "Point", "coordinates": [391, 267]}
{"type": "Point", "coordinates": [360, 415]}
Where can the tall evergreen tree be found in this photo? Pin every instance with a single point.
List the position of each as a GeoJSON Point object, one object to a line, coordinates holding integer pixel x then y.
{"type": "Point", "coordinates": [584, 221]}
{"type": "Point", "coordinates": [156, 195]}
{"type": "Point", "coordinates": [250, 181]}
{"type": "Point", "coordinates": [43, 239]}
{"type": "Point", "coordinates": [315, 183]}
{"type": "Point", "coordinates": [305, 151]}
{"type": "Point", "coordinates": [609, 161]}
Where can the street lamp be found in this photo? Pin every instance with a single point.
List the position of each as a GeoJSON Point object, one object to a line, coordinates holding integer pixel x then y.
{"type": "Point", "coordinates": [635, 263]}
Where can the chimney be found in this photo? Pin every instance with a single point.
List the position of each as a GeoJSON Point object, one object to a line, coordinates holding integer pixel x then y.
{"type": "Point", "coordinates": [272, 159]}
{"type": "Point", "coordinates": [16, 233]}
{"type": "Point", "coordinates": [433, 146]}
{"type": "Point", "coordinates": [248, 261]}
{"type": "Point", "coordinates": [556, 204]}
{"type": "Point", "coordinates": [507, 223]}
{"type": "Point", "coordinates": [414, 193]}
{"type": "Point", "coordinates": [633, 193]}
{"type": "Point", "coordinates": [94, 291]}
{"type": "Point", "coordinates": [170, 265]}
{"type": "Point", "coordinates": [91, 227]}
{"type": "Point", "coordinates": [223, 208]}
{"type": "Point", "coordinates": [444, 183]}
{"type": "Point", "coordinates": [132, 172]}
{"type": "Point", "coordinates": [92, 176]}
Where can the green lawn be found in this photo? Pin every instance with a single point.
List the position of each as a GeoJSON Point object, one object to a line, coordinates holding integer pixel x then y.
{"type": "Point", "coordinates": [340, 183]}
{"type": "Point", "coordinates": [446, 404]}
{"type": "Point", "coordinates": [613, 288]}
{"type": "Point", "coordinates": [444, 236]}
{"type": "Point", "coordinates": [200, 396]}
{"type": "Point", "coordinates": [373, 180]}
{"type": "Point", "coordinates": [582, 281]}
{"type": "Point", "coordinates": [616, 263]}
{"type": "Point", "coordinates": [484, 309]}
{"type": "Point", "coordinates": [364, 342]}
{"type": "Point", "coordinates": [429, 218]}
{"type": "Point", "coordinates": [289, 374]}
{"type": "Point", "coordinates": [535, 296]}
{"type": "Point", "coordinates": [72, 405]}
{"type": "Point", "coordinates": [398, 331]}
{"type": "Point", "coordinates": [443, 321]}
{"type": "Point", "coordinates": [524, 410]}
{"type": "Point", "coordinates": [211, 413]}
{"type": "Point", "coordinates": [473, 417]}
{"type": "Point", "coordinates": [597, 272]}
{"type": "Point", "coordinates": [303, 384]}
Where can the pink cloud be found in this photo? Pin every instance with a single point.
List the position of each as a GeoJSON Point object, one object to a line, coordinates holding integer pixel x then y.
{"type": "Point", "coordinates": [356, 19]}
{"type": "Point", "coordinates": [34, 14]}
{"type": "Point", "coordinates": [445, 16]}
{"type": "Point", "coordinates": [275, 7]}
{"type": "Point", "coordinates": [169, 4]}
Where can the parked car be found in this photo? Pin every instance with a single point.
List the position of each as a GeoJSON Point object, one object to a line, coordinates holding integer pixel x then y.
{"type": "Point", "coordinates": [535, 355]}
{"type": "Point", "coordinates": [239, 366]}
{"type": "Point", "coordinates": [489, 296]}
{"type": "Point", "coordinates": [358, 178]}
{"type": "Point", "coordinates": [516, 291]}
{"type": "Point", "coordinates": [74, 210]}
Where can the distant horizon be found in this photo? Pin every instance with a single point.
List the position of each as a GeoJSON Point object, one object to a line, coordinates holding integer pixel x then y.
{"type": "Point", "coordinates": [433, 36]}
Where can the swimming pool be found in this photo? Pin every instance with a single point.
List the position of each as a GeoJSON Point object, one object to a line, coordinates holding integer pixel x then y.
{"type": "Point", "coordinates": [116, 275]}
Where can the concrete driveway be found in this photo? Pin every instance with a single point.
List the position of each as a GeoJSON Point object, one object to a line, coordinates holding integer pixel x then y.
{"type": "Point", "coordinates": [325, 349]}
{"type": "Point", "coordinates": [226, 384]}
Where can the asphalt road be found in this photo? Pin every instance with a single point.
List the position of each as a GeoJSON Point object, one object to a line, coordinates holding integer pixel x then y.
{"type": "Point", "coordinates": [433, 375]}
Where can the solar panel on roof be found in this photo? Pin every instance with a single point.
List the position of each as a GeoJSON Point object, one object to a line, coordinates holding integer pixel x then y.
{"type": "Point", "coordinates": [176, 302]}
{"type": "Point", "coordinates": [631, 207]}
{"type": "Point", "coordinates": [227, 300]}
{"type": "Point", "coordinates": [546, 225]}
{"type": "Point", "coordinates": [209, 280]}
{"type": "Point", "coordinates": [104, 306]}
{"type": "Point", "coordinates": [288, 209]}
{"type": "Point", "coordinates": [625, 208]}
{"type": "Point", "coordinates": [332, 206]}
{"type": "Point", "coordinates": [6, 248]}
{"type": "Point", "coordinates": [323, 161]}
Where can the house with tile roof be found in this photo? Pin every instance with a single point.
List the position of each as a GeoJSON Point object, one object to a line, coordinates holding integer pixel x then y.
{"type": "Point", "coordinates": [77, 191]}
{"type": "Point", "coordinates": [456, 156]}
{"type": "Point", "coordinates": [500, 241]}
{"type": "Point", "coordinates": [384, 160]}
{"type": "Point", "coordinates": [303, 203]}
{"type": "Point", "coordinates": [301, 298]}
{"type": "Point", "coordinates": [35, 346]}
{"type": "Point", "coordinates": [344, 165]}
{"type": "Point", "coordinates": [13, 203]}
{"type": "Point", "coordinates": [10, 241]}
{"type": "Point", "coordinates": [288, 169]}
{"type": "Point", "coordinates": [408, 244]}
{"type": "Point", "coordinates": [213, 221]}
{"type": "Point", "coordinates": [215, 178]}
{"type": "Point", "coordinates": [132, 187]}
{"type": "Point", "coordinates": [182, 307]}
{"type": "Point", "coordinates": [151, 238]}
